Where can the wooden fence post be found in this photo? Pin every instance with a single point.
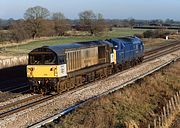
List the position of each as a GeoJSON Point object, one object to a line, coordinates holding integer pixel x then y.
{"type": "Point", "coordinates": [172, 100]}
{"type": "Point", "coordinates": [178, 100]}
{"type": "Point", "coordinates": [170, 106]}
{"type": "Point", "coordinates": [162, 119]}
{"type": "Point", "coordinates": [177, 94]}
{"type": "Point", "coordinates": [155, 123]}
{"type": "Point", "coordinates": [176, 103]}
{"type": "Point", "coordinates": [159, 121]}
{"type": "Point", "coordinates": [164, 113]}
{"type": "Point", "coordinates": [167, 106]}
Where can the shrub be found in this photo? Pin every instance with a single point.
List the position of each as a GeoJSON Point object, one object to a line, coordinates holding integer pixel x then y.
{"type": "Point", "coordinates": [139, 35]}
{"type": "Point", "coordinates": [159, 33]}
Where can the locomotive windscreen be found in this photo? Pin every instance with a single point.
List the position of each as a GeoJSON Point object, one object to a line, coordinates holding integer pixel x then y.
{"type": "Point", "coordinates": [39, 58]}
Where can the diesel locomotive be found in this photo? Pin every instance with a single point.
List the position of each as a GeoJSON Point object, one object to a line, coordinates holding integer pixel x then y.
{"type": "Point", "coordinates": [63, 67]}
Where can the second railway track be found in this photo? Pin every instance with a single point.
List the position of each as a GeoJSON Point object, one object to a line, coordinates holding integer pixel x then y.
{"type": "Point", "coordinates": [32, 101]}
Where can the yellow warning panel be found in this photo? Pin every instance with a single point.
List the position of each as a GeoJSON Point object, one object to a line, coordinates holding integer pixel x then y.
{"type": "Point", "coordinates": [43, 71]}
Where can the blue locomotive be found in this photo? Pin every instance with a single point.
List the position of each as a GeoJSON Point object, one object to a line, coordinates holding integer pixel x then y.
{"type": "Point", "coordinates": [63, 67]}
{"type": "Point", "coordinates": [128, 51]}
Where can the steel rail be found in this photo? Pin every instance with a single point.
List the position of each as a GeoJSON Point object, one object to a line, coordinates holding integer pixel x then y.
{"type": "Point", "coordinates": [70, 109]}
{"type": "Point", "coordinates": [30, 104]}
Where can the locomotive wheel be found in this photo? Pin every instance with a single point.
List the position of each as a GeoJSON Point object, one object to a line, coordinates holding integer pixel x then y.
{"type": "Point", "coordinates": [43, 91]}
{"type": "Point", "coordinates": [78, 81]}
{"type": "Point", "coordinates": [60, 87]}
{"type": "Point", "coordinates": [68, 86]}
{"type": "Point", "coordinates": [34, 89]}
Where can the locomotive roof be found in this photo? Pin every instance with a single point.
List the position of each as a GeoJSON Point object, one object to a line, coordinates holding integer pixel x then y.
{"type": "Point", "coordinates": [60, 49]}
{"type": "Point", "coordinates": [130, 39]}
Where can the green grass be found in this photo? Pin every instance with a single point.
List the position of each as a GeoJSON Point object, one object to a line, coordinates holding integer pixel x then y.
{"type": "Point", "coordinates": [24, 49]}
{"type": "Point", "coordinates": [125, 32]}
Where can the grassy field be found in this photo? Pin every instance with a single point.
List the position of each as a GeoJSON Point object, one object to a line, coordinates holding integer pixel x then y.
{"type": "Point", "coordinates": [23, 49]}
{"type": "Point", "coordinates": [133, 106]}
{"type": "Point", "coordinates": [116, 32]}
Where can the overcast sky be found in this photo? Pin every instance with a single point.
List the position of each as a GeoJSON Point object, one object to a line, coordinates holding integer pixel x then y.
{"type": "Point", "coordinates": [113, 9]}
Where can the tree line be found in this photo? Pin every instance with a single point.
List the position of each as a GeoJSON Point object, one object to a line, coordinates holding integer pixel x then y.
{"type": "Point", "coordinates": [39, 22]}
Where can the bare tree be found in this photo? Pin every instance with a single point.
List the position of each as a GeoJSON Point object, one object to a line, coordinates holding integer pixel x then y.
{"type": "Point", "coordinates": [95, 24]}
{"type": "Point", "coordinates": [100, 25]}
{"type": "Point", "coordinates": [61, 24]}
{"type": "Point", "coordinates": [87, 19]}
{"type": "Point", "coordinates": [34, 20]}
{"type": "Point", "coordinates": [131, 22]}
{"type": "Point", "coordinates": [18, 31]}
{"type": "Point", "coordinates": [36, 12]}
{"type": "Point", "coordinates": [48, 28]}
{"type": "Point", "coordinates": [58, 16]}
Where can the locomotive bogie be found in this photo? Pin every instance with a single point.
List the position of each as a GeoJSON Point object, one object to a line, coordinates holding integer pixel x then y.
{"type": "Point", "coordinates": [43, 85]}
{"type": "Point", "coordinates": [84, 77]}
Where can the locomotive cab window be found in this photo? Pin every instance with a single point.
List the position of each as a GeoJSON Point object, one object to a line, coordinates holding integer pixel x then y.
{"type": "Point", "coordinates": [39, 58]}
{"type": "Point", "coordinates": [50, 59]}
{"type": "Point", "coordinates": [61, 59]}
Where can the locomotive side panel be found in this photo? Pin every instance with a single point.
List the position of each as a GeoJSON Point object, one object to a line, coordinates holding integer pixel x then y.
{"type": "Point", "coordinates": [71, 58]}
{"type": "Point", "coordinates": [89, 57]}
{"type": "Point", "coordinates": [81, 58]}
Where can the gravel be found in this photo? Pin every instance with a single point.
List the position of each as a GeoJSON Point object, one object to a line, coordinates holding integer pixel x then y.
{"type": "Point", "coordinates": [51, 107]}
{"type": "Point", "coordinates": [12, 100]}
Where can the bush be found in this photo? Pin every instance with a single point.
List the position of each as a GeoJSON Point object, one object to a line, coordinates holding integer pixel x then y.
{"type": "Point", "coordinates": [5, 36]}
{"type": "Point", "coordinates": [139, 35]}
{"type": "Point", "coordinates": [155, 33]}
{"type": "Point", "coordinates": [148, 34]}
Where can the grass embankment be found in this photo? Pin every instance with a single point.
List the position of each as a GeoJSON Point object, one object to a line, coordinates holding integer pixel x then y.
{"type": "Point", "coordinates": [26, 47]}
{"type": "Point", "coordinates": [176, 122]}
{"type": "Point", "coordinates": [132, 106]}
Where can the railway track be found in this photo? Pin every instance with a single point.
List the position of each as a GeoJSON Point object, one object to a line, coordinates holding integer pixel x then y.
{"type": "Point", "coordinates": [18, 88]}
{"type": "Point", "coordinates": [37, 99]}
{"type": "Point", "coordinates": [149, 52]}
{"type": "Point", "coordinates": [66, 111]}
{"type": "Point", "coordinates": [14, 85]}
{"type": "Point", "coordinates": [20, 85]}
{"type": "Point", "coordinates": [12, 89]}
{"type": "Point", "coordinates": [150, 55]}
{"type": "Point", "coordinates": [22, 104]}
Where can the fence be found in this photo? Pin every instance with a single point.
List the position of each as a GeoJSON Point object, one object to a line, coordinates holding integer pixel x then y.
{"type": "Point", "coordinates": [168, 113]}
{"type": "Point", "coordinates": [19, 60]}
